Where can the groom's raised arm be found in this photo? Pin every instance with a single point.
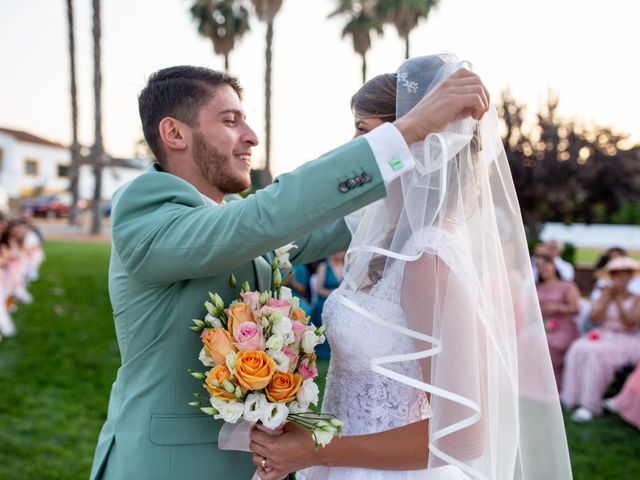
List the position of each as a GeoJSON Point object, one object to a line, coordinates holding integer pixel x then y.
{"type": "Point", "coordinates": [164, 231]}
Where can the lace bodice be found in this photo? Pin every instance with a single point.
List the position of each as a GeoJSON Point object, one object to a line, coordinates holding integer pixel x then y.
{"type": "Point", "coordinates": [368, 402]}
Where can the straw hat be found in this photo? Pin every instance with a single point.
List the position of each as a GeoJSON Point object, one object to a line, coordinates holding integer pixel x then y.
{"type": "Point", "coordinates": [618, 264]}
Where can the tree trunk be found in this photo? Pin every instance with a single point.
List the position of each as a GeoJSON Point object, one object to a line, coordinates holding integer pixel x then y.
{"type": "Point", "coordinates": [406, 47]}
{"type": "Point", "coordinates": [226, 62]}
{"type": "Point", "coordinates": [364, 68]}
{"type": "Point", "coordinates": [266, 177]}
{"type": "Point", "coordinates": [97, 152]}
{"type": "Point", "coordinates": [74, 166]}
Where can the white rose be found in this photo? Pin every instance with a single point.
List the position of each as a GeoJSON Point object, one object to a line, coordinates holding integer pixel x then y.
{"type": "Point", "coordinates": [274, 415]}
{"type": "Point", "coordinates": [230, 412]}
{"type": "Point", "coordinates": [254, 404]}
{"type": "Point", "coordinates": [215, 321]}
{"type": "Point", "coordinates": [286, 294]}
{"type": "Point", "coordinates": [206, 359]}
{"type": "Point", "coordinates": [275, 343]}
{"type": "Point", "coordinates": [282, 326]}
{"type": "Point", "coordinates": [309, 341]}
{"type": "Point", "coordinates": [322, 437]}
{"type": "Point", "coordinates": [281, 360]}
{"type": "Point", "coordinates": [308, 392]}
{"type": "Point", "coordinates": [297, 407]}
{"type": "Point", "coordinates": [217, 403]}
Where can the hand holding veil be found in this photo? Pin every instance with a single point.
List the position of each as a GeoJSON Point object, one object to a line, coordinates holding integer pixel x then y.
{"type": "Point", "coordinates": [449, 239]}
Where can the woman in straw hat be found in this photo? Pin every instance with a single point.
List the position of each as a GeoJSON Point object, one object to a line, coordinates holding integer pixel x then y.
{"type": "Point", "coordinates": [592, 361]}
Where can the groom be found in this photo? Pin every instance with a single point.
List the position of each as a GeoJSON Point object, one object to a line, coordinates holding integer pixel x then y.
{"type": "Point", "coordinates": [177, 234]}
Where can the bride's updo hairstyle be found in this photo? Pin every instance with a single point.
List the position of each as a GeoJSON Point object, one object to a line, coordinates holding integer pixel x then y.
{"type": "Point", "coordinates": [376, 98]}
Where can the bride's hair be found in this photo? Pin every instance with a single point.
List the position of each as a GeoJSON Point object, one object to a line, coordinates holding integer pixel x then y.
{"type": "Point", "coordinates": [376, 98]}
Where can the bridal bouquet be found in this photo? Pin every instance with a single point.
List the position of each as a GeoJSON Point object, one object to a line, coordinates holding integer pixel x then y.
{"type": "Point", "coordinates": [260, 350]}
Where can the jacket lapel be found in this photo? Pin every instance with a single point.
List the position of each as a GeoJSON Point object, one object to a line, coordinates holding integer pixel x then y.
{"type": "Point", "coordinates": [263, 273]}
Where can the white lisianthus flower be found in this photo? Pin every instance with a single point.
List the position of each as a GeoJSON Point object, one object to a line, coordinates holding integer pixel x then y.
{"type": "Point", "coordinates": [215, 321]}
{"type": "Point", "coordinates": [281, 360]}
{"type": "Point", "coordinates": [254, 405]}
{"type": "Point", "coordinates": [217, 403]}
{"type": "Point", "coordinates": [206, 359]}
{"type": "Point", "coordinates": [309, 341]}
{"type": "Point", "coordinates": [274, 415]}
{"type": "Point", "coordinates": [275, 343]}
{"type": "Point", "coordinates": [230, 412]}
{"type": "Point", "coordinates": [308, 392]}
{"type": "Point", "coordinates": [322, 437]}
{"type": "Point", "coordinates": [282, 255]}
{"type": "Point", "coordinates": [297, 407]}
{"type": "Point", "coordinates": [285, 294]}
{"type": "Point", "coordinates": [282, 326]}
{"type": "Point", "coordinates": [230, 360]}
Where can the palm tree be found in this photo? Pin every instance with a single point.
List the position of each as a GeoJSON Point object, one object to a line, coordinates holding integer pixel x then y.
{"type": "Point", "coordinates": [361, 19]}
{"type": "Point", "coordinates": [266, 10]}
{"type": "Point", "coordinates": [74, 167]}
{"type": "Point", "coordinates": [97, 151]}
{"type": "Point", "coordinates": [405, 15]}
{"type": "Point", "coordinates": [222, 22]}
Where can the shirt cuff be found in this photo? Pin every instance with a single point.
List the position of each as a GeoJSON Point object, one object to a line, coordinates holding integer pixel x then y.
{"type": "Point", "coordinates": [390, 150]}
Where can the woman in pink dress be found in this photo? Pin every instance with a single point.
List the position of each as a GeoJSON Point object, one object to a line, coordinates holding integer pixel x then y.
{"type": "Point", "coordinates": [592, 361]}
{"type": "Point", "coordinates": [627, 402]}
{"type": "Point", "coordinates": [559, 304]}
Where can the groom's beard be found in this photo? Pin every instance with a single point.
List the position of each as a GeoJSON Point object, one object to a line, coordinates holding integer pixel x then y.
{"type": "Point", "coordinates": [217, 168]}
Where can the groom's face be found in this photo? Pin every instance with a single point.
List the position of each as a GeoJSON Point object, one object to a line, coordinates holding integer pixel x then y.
{"type": "Point", "coordinates": [222, 142]}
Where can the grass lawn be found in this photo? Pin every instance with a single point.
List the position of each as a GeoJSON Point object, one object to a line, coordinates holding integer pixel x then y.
{"type": "Point", "coordinates": [55, 378]}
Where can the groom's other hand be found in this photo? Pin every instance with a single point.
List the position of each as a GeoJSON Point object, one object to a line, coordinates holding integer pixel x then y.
{"type": "Point", "coordinates": [460, 95]}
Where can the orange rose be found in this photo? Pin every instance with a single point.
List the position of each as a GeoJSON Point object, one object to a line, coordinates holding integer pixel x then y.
{"type": "Point", "coordinates": [239, 313]}
{"type": "Point", "coordinates": [219, 373]}
{"type": "Point", "coordinates": [254, 370]}
{"type": "Point", "coordinates": [300, 316]}
{"type": "Point", "coordinates": [217, 343]}
{"type": "Point", "coordinates": [283, 387]}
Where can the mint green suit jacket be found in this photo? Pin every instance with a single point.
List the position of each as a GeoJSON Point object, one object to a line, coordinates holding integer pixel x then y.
{"type": "Point", "coordinates": [171, 247]}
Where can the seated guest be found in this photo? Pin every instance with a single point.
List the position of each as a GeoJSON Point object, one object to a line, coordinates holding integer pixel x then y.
{"type": "Point", "coordinates": [559, 304]}
{"type": "Point", "coordinates": [592, 361]}
{"type": "Point", "coordinates": [553, 249]}
{"type": "Point", "coordinates": [627, 402]}
{"type": "Point", "coordinates": [606, 257]}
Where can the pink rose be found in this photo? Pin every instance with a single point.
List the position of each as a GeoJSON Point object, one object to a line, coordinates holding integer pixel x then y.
{"type": "Point", "coordinates": [282, 305]}
{"type": "Point", "coordinates": [306, 371]}
{"type": "Point", "coordinates": [291, 354]}
{"type": "Point", "coordinates": [252, 299]}
{"type": "Point", "coordinates": [298, 330]}
{"type": "Point", "coordinates": [248, 337]}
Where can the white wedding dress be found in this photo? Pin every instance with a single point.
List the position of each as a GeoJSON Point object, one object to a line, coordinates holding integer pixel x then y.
{"type": "Point", "coordinates": [365, 401]}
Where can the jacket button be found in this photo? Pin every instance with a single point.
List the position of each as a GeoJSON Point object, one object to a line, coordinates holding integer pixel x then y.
{"type": "Point", "coordinates": [351, 183]}
{"type": "Point", "coordinates": [366, 178]}
{"type": "Point", "coordinates": [343, 187]}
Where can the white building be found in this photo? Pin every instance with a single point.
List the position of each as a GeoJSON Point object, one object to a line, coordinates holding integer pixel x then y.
{"type": "Point", "coordinates": [31, 165]}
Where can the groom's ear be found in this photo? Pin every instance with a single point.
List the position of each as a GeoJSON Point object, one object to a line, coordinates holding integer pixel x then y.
{"type": "Point", "coordinates": [173, 134]}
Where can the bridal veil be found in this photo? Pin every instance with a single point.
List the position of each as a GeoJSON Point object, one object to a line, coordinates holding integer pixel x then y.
{"type": "Point", "coordinates": [450, 238]}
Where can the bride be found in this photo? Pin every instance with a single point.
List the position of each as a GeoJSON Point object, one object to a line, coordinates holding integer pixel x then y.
{"type": "Point", "coordinates": [439, 367]}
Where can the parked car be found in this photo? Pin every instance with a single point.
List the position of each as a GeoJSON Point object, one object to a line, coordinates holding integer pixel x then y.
{"type": "Point", "coordinates": [50, 206]}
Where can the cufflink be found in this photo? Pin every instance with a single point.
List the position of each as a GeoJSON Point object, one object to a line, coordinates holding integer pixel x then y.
{"type": "Point", "coordinates": [396, 164]}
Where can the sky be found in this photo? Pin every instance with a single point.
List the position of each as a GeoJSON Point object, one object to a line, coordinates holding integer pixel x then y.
{"type": "Point", "coordinates": [583, 50]}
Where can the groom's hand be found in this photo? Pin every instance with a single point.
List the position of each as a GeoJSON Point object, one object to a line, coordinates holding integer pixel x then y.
{"type": "Point", "coordinates": [459, 96]}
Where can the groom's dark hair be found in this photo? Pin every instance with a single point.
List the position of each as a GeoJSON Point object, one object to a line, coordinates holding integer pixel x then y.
{"type": "Point", "coordinates": [179, 92]}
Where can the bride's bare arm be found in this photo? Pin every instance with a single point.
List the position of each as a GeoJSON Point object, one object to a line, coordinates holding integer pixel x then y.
{"type": "Point", "coordinates": [403, 448]}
